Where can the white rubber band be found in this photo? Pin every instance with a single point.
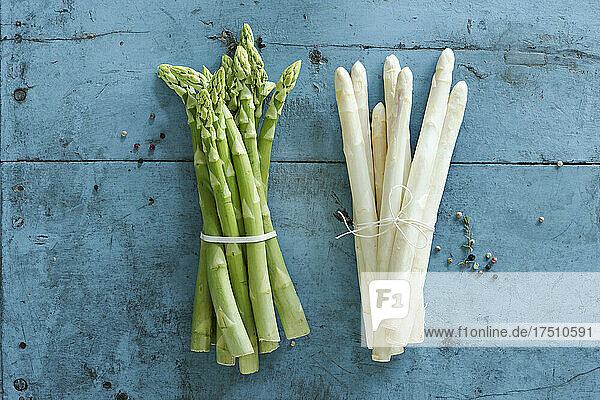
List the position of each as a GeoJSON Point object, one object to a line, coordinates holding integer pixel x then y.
{"type": "Point", "coordinates": [238, 239]}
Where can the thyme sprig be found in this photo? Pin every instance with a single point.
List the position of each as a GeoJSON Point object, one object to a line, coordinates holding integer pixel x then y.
{"type": "Point", "coordinates": [469, 259]}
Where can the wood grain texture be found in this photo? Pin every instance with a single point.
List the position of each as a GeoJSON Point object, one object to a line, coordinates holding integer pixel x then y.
{"type": "Point", "coordinates": [536, 91]}
{"type": "Point", "coordinates": [115, 305]}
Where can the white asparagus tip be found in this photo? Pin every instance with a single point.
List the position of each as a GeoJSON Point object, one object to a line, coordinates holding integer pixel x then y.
{"type": "Point", "coordinates": [358, 68]}
{"type": "Point", "coordinates": [405, 77]}
{"type": "Point", "coordinates": [379, 112]}
{"type": "Point", "coordinates": [391, 62]}
{"type": "Point", "coordinates": [459, 94]}
{"type": "Point", "coordinates": [447, 58]}
{"type": "Point", "coordinates": [342, 75]}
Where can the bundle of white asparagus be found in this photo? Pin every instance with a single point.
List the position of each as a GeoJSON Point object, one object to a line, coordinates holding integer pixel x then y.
{"type": "Point", "coordinates": [395, 199]}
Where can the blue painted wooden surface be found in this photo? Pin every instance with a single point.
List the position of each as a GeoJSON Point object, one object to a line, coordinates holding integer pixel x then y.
{"type": "Point", "coordinates": [98, 284]}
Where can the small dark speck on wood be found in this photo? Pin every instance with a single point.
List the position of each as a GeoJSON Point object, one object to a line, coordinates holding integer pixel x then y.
{"type": "Point", "coordinates": [20, 384]}
{"type": "Point", "coordinates": [469, 25]}
{"type": "Point", "coordinates": [316, 58]}
{"type": "Point", "coordinates": [89, 371]}
{"type": "Point", "coordinates": [107, 385]}
{"type": "Point", "coordinates": [228, 38]}
{"type": "Point", "coordinates": [150, 201]}
{"type": "Point", "coordinates": [195, 11]}
{"type": "Point", "coordinates": [121, 396]}
{"type": "Point", "coordinates": [260, 44]}
{"type": "Point", "coordinates": [20, 95]}
{"type": "Point", "coordinates": [207, 23]}
{"type": "Point", "coordinates": [17, 222]}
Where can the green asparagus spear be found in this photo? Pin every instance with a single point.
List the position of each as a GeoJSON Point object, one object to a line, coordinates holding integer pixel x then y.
{"type": "Point", "coordinates": [258, 275]}
{"type": "Point", "coordinates": [245, 116]}
{"type": "Point", "coordinates": [217, 93]}
{"type": "Point", "coordinates": [267, 131]}
{"type": "Point", "coordinates": [228, 317]}
{"type": "Point", "coordinates": [224, 357]}
{"type": "Point", "coordinates": [237, 268]}
{"type": "Point", "coordinates": [203, 315]}
{"type": "Point", "coordinates": [286, 300]}
{"type": "Point", "coordinates": [258, 80]}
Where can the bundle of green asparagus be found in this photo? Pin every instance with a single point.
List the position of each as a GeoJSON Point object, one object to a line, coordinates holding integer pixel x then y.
{"type": "Point", "coordinates": [242, 276]}
{"type": "Point", "coordinates": [395, 198]}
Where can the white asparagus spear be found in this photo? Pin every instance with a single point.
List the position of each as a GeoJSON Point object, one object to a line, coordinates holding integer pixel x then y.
{"type": "Point", "coordinates": [391, 70]}
{"type": "Point", "coordinates": [454, 117]}
{"type": "Point", "coordinates": [379, 140]}
{"type": "Point", "coordinates": [392, 195]}
{"type": "Point", "coordinates": [354, 149]}
{"type": "Point", "coordinates": [359, 84]}
{"type": "Point", "coordinates": [363, 199]}
{"type": "Point", "coordinates": [394, 167]}
{"type": "Point", "coordinates": [358, 75]}
{"type": "Point", "coordinates": [393, 176]}
{"type": "Point", "coordinates": [418, 180]}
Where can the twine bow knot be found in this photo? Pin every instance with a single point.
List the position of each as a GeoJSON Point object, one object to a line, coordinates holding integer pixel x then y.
{"type": "Point", "coordinates": [396, 221]}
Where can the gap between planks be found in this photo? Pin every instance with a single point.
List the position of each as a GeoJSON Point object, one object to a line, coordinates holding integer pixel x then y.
{"type": "Point", "coordinates": [508, 163]}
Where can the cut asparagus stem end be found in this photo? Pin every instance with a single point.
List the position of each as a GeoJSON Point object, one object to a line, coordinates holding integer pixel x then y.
{"type": "Point", "coordinates": [267, 347]}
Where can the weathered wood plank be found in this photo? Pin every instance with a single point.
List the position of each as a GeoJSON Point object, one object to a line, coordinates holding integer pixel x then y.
{"type": "Point", "coordinates": [531, 84]}
{"type": "Point", "coordinates": [115, 305]}
{"type": "Point", "coordinates": [464, 23]}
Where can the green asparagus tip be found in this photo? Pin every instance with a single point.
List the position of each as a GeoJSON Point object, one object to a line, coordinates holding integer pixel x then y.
{"type": "Point", "coordinates": [187, 76]}
{"type": "Point", "coordinates": [205, 106]}
{"type": "Point", "coordinates": [226, 61]}
{"type": "Point", "coordinates": [217, 85]}
{"type": "Point", "coordinates": [246, 37]}
{"type": "Point", "coordinates": [206, 72]}
{"type": "Point", "coordinates": [291, 75]}
{"type": "Point", "coordinates": [162, 69]}
{"type": "Point", "coordinates": [227, 65]}
{"type": "Point", "coordinates": [256, 63]}
{"type": "Point", "coordinates": [165, 72]}
{"type": "Point", "coordinates": [241, 64]}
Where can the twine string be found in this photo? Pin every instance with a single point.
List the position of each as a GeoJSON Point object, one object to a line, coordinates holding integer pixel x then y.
{"type": "Point", "coordinates": [389, 223]}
